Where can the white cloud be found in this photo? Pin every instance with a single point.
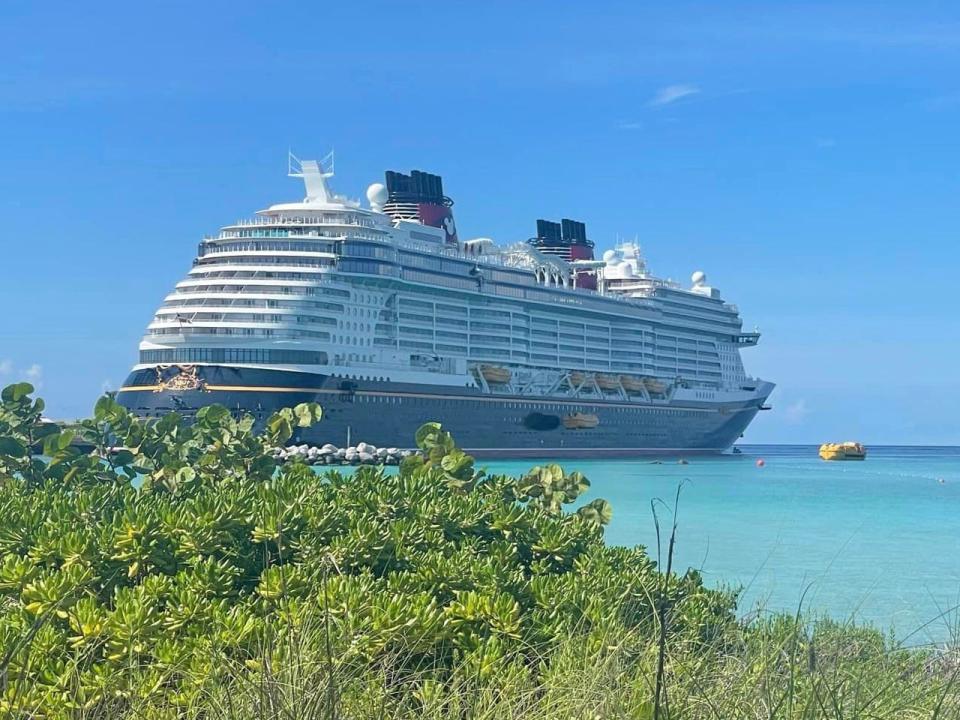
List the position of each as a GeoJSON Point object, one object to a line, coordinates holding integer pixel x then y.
{"type": "Point", "coordinates": [630, 125]}
{"type": "Point", "coordinates": [6, 367]}
{"type": "Point", "coordinates": [796, 412]}
{"type": "Point", "coordinates": [672, 93]}
{"type": "Point", "coordinates": [34, 375]}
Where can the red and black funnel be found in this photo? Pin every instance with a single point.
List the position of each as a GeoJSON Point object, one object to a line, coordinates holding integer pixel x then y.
{"type": "Point", "coordinates": [419, 196]}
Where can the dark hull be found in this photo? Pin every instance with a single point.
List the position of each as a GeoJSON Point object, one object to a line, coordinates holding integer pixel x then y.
{"type": "Point", "coordinates": [387, 414]}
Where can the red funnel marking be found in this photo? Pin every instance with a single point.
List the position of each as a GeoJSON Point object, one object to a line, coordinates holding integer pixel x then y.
{"type": "Point", "coordinates": [439, 216]}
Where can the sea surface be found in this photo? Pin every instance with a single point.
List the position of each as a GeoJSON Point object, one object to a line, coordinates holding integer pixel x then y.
{"type": "Point", "coordinates": [876, 541]}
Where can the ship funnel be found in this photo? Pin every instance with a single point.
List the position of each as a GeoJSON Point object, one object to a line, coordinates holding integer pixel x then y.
{"type": "Point", "coordinates": [567, 239]}
{"type": "Point", "coordinates": [419, 196]}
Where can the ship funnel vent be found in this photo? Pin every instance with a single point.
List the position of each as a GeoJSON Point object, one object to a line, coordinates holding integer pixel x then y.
{"type": "Point", "coordinates": [419, 197]}
{"type": "Point", "coordinates": [574, 233]}
{"type": "Point", "coordinates": [549, 232]}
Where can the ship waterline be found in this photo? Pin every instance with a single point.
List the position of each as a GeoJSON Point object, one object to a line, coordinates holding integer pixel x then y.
{"type": "Point", "coordinates": [388, 320]}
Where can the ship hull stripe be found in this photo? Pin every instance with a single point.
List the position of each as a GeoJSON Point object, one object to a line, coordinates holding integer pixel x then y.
{"type": "Point", "coordinates": [227, 388]}
{"type": "Point", "coordinates": [432, 396]}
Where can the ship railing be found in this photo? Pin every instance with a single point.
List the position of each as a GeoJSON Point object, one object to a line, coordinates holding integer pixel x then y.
{"type": "Point", "coordinates": [290, 233]}
{"type": "Point", "coordinates": [642, 284]}
{"type": "Point", "coordinates": [311, 220]}
{"type": "Point", "coordinates": [282, 233]}
{"type": "Point", "coordinates": [441, 250]}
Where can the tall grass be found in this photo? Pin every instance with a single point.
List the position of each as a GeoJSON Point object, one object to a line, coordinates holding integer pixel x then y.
{"type": "Point", "coordinates": [293, 629]}
{"type": "Point", "coordinates": [777, 667]}
{"type": "Point", "coordinates": [772, 666]}
{"type": "Point", "coordinates": [794, 667]}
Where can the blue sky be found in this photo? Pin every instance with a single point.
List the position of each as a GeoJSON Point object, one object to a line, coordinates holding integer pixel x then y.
{"type": "Point", "coordinates": [805, 156]}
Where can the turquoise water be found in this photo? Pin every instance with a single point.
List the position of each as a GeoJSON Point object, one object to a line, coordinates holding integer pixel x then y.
{"type": "Point", "coordinates": [878, 541]}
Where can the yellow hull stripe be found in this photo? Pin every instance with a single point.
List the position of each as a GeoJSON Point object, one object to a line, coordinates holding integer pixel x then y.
{"type": "Point", "coordinates": [247, 388]}
{"type": "Point", "coordinates": [544, 401]}
{"type": "Point", "coordinates": [225, 388]}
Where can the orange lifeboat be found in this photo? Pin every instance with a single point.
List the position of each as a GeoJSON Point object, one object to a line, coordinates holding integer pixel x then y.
{"type": "Point", "coordinates": [655, 386]}
{"type": "Point", "coordinates": [632, 384]}
{"type": "Point", "coordinates": [495, 375]}
{"type": "Point", "coordinates": [580, 421]}
{"type": "Point", "coordinates": [607, 382]}
{"type": "Point", "coordinates": [576, 378]}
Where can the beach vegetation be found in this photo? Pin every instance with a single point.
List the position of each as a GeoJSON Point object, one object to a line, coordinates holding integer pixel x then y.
{"type": "Point", "coordinates": [178, 570]}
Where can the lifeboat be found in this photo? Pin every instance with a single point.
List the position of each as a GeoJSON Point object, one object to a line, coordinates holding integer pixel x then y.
{"type": "Point", "coordinates": [576, 378]}
{"type": "Point", "coordinates": [655, 386]}
{"type": "Point", "coordinates": [580, 421]}
{"type": "Point", "coordinates": [495, 375]}
{"type": "Point", "coordinates": [631, 384]}
{"type": "Point", "coordinates": [607, 382]}
{"type": "Point", "coordinates": [843, 451]}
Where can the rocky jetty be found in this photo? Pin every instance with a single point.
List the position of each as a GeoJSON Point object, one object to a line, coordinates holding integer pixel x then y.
{"type": "Point", "coordinates": [359, 454]}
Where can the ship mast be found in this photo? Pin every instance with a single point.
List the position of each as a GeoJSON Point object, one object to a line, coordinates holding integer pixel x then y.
{"type": "Point", "coordinates": [313, 175]}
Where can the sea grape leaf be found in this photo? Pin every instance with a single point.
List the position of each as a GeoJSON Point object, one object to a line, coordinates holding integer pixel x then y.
{"type": "Point", "coordinates": [426, 435]}
{"type": "Point", "coordinates": [16, 392]}
{"type": "Point", "coordinates": [307, 414]}
{"type": "Point", "coordinates": [64, 439]}
{"type": "Point", "coordinates": [11, 447]}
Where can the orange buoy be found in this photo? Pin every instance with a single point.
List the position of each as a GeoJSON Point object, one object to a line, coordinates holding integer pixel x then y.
{"type": "Point", "coordinates": [761, 462]}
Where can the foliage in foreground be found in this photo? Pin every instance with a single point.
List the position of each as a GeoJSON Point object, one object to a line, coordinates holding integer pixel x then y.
{"type": "Point", "coordinates": [223, 585]}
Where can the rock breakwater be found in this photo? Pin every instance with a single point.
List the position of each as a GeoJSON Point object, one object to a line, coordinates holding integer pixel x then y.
{"type": "Point", "coordinates": [359, 454]}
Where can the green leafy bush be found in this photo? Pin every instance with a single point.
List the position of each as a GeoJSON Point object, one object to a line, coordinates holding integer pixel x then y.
{"type": "Point", "coordinates": [146, 572]}
{"type": "Point", "coordinates": [187, 575]}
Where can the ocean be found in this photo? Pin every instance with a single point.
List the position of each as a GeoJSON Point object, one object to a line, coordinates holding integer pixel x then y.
{"type": "Point", "coordinates": [876, 541]}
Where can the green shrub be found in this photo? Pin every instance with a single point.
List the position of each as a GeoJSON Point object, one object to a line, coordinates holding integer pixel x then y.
{"type": "Point", "coordinates": [125, 574]}
{"type": "Point", "coordinates": [190, 576]}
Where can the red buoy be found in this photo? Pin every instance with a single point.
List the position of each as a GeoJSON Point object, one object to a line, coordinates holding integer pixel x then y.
{"type": "Point", "coordinates": [761, 462]}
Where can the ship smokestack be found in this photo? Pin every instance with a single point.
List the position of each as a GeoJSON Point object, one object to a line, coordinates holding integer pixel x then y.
{"type": "Point", "coordinates": [567, 239]}
{"type": "Point", "coordinates": [419, 196]}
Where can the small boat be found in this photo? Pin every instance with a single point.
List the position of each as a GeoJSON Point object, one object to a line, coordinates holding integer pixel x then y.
{"type": "Point", "coordinates": [843, 451]}
{"type": "Point", "coordinates": [580, 421]}
{"type": "Point", "coordinates": [576, 378]}
{"type": "Point", "coordinates": [494, 374]}
{"type": "Point", "coordinates": [607, 382]}
{"type": "Point", "coordinates": [632, 384]}
{"type": "Point", "coordinates": [655, 386]}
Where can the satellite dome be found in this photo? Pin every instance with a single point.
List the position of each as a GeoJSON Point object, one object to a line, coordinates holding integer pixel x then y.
{"type": "Point", "coordinates": [698, 278]}
{"type": "Point", "coordinates": [626, 269]}
{"type": "Point", "coordinates": [610, 257]}
{"type": "Point", "coordinates": [377, 195]}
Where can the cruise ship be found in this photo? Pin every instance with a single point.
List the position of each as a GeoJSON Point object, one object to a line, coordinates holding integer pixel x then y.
{"type": "Point", "coordinates": [384, 315]}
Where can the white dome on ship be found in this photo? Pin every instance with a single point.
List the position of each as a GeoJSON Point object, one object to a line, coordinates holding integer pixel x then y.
{"type": "Point", "coordinates": [626, 269]}
{"type": "Point", "coordinates": [610, 257]}
{"type": "Point", "coordinates": [699, 277]}
{"type": "Point", "coordinates": [377, 195]}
